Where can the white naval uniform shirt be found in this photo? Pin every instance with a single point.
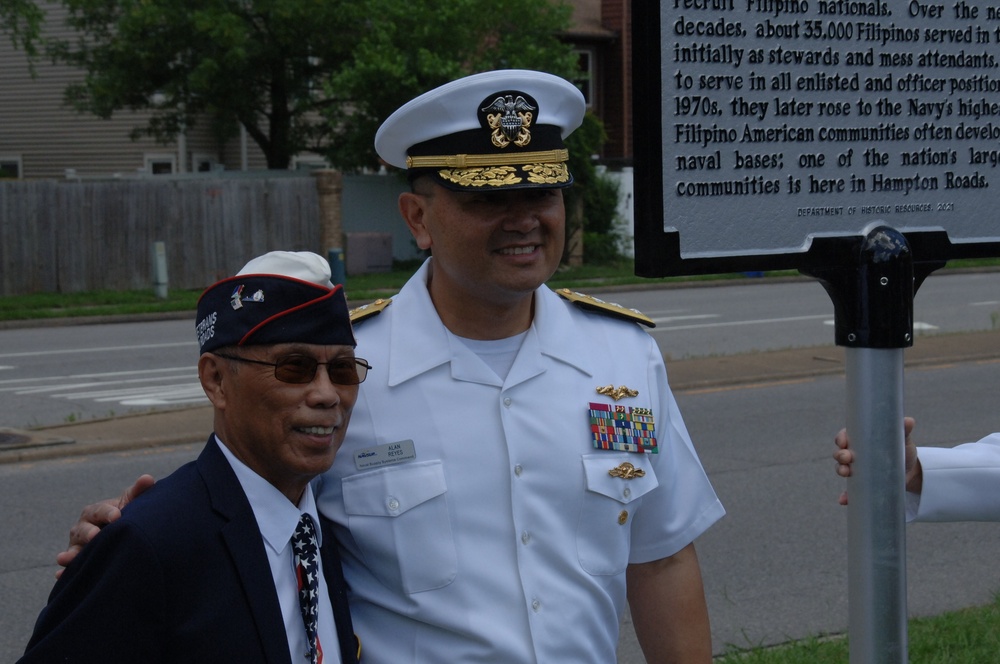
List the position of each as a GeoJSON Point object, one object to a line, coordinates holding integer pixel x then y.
{"type": "Point", "coordinates": [501, 540]}
{"type": "Point", "coordinates": [277, 517]}
{"type": "Point", "coordinates": [960, 483]}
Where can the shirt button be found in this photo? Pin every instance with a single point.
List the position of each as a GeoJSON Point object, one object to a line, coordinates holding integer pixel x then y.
{"type": "Point", "coordinates": [393, 504]}
{"type": "Point", "coordinates": [627, 492]}
{"type": "Point", "coordinates": [623, 517]}
{"type": "Point", "coordinates": [525, 537]}
{"type": "Point", "coordinates": [536, 605]}
{"type": "Point", "coordinates": [506, 402]}
{"type": "Point", "coordinates": [518, 470]}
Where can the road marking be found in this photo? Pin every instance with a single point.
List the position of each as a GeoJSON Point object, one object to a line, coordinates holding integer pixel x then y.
{"type": "Point", "coordinates": [917, 325]}
{"type": "Point", "coordinates": [114, 392]}
{"type": "Point", "coordinates": [172, 386]}
{"type": "Point", "coordinates": [107, 349]}
{"type": "Point", "coordinates": [745, 386]}
{"type": "Point", "coordinates": [738, 323]}
{"type": "Point", "coordinates": [670, 319]}
{"type": "Point", "coordinates": [155, 395]}
{"type": "Point", "coordinates": [147, 374]}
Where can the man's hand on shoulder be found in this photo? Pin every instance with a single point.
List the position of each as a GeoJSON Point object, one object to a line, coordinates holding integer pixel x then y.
{"type": "Point", "coordinates": [96, 516]}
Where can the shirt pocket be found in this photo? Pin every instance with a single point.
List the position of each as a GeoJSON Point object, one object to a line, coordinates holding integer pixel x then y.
{"type": "Point", "coordinates": [400, 519]}
{"type": "Point", "coordinates": [604, 532]}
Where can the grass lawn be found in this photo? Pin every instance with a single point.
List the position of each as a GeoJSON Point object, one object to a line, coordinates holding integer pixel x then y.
{"type": "Point", "coordinates": [969, 636]}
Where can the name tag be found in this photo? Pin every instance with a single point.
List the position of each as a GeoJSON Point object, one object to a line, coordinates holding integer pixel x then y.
{"type": "Point", "coordinates": [385, 455]}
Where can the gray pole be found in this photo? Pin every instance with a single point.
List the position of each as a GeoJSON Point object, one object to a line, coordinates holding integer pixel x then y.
{"type": "Point", "coordinates": [876, 536]}
{"type": "Point", "coordinates": [871, 284]}
{"type": "Point", "coordinates": [159, 262]}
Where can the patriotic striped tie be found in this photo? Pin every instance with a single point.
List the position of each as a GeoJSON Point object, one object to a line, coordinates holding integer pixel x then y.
{"type": "Point", "coordinates": [307, 570]}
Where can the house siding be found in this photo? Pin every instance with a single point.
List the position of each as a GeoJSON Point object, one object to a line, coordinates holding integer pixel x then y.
{"type": "Point", "coordinates": [604, 27]}
{"type": "Point", "coordinates": [49, 137]}
{"type": "Point", "coordinates": [617, 88]}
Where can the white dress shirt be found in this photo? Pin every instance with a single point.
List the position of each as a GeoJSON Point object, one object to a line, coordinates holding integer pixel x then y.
{"type": "Point", "coordinates": [490, 529]}
{"type": "Point", "coordinates": [277, 518]}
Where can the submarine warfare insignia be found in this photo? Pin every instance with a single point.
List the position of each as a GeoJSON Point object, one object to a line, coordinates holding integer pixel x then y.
{"type": "Point", "coordinates": [617, 393]}
{"type": "Point", "coordinates": [622, 428]}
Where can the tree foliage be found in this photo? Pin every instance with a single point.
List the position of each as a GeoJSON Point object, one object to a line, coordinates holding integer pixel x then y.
{"type": "Point", "coordinates": [21, 20]}
{"type": "Point", "coordinates": [316, 75]}
{"type": "Point", "coordinates": [594, 195]}
{"type": "Point", "coordinates": [414, 47]}
{"type": "Point", "coordinates": [255, 62]}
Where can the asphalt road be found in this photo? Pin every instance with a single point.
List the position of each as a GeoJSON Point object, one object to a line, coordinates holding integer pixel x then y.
{"type": "Point", "coordinates": [55, 375]}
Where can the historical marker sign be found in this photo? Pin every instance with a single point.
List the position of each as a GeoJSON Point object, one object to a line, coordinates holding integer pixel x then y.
{"type": "Point", "coordinates": [764, 126]}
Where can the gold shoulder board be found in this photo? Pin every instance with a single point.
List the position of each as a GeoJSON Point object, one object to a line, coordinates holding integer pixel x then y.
{"type": "Point", "coordinates": [358, 314]}
{"type": "Point", "coordinates": [608, 308]}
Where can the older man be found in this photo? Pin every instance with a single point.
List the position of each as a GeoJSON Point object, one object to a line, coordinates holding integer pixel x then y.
{"type": "Point", "coordinates": [220, 561]}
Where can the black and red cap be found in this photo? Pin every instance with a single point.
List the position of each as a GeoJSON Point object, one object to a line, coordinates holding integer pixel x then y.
{"type": "Point", "coordinates": [280, 297]}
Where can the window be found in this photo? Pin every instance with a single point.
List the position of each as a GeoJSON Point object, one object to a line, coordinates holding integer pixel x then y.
{"type": "Point", "coordinates": [308, 162]}
{"type": "Point", "coordinates": [160, 164]}
{"type": "Point", "coordinates": [585, 74]}
{"type": "Point", "coordinates": [10, 167]}
{"type": "Point", "coordinates": [204, 163]}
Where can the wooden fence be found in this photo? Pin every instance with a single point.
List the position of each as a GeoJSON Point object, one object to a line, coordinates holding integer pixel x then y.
{"type": "Point", "coordinates": [64, 236]}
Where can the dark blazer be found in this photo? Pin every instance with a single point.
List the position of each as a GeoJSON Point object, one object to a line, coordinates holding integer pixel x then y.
{"type": "Point", "coordinates": [182, 576]}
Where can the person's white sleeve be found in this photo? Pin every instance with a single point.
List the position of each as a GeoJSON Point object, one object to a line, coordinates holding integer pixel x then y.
{"type": "Point", "coordinates": [960, 483]}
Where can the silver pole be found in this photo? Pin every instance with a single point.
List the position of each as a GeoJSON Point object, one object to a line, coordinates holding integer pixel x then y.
{"type": "Point", "coordinates": [876, 528]}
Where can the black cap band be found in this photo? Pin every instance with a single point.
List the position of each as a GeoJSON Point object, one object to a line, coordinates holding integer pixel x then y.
{"type": "Point", "coordinates": [256, 309]}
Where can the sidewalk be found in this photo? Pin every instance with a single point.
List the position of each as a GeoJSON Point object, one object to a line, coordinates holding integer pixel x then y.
{"type": "Point", "coordinates": [192, 425]}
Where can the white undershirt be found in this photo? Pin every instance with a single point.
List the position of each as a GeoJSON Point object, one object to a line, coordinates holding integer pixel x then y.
{"type": "Point", "coordinates": [498, 354]}
{"type": "Point", "coordinates": [277, 518]}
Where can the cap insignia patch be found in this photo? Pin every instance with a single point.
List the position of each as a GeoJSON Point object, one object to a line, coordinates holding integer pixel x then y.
{"type": "Point", "coordinates": [509, 120]}
{"type": "Point", "coordinates": [237, 299]}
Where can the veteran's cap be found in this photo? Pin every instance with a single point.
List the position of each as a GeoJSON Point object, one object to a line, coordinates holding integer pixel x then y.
{"type": "Point", "coordinates": [280, 297]}
{"type": "Point", "coordinates": [496, 130]}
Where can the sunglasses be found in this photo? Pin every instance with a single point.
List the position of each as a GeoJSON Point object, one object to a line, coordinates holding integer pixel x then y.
{"type": "Point", "coordinates": [301, 369]}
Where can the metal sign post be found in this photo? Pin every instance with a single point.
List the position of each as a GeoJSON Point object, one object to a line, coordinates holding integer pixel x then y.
{"type": "Point", "coordinates": [873, 305]}
{"type": "Point", "coordinates": [876, 562]}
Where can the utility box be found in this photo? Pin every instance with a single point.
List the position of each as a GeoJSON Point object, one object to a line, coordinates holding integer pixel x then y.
{"type": "Point", "coordinates": [369, 252]}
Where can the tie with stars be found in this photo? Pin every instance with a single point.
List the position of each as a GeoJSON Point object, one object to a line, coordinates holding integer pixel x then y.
{"type": "Point", "coordinates": [306, 569]}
